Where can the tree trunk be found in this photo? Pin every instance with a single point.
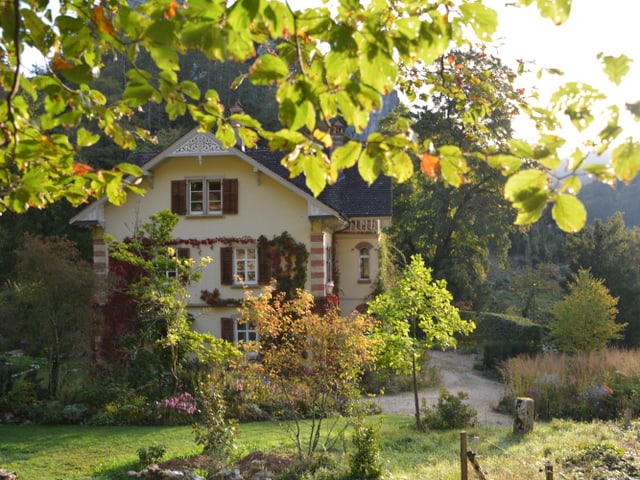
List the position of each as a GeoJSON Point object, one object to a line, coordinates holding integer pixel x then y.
{"type": "Point", "coordinates": [414, 371]}
{"type": "Point", "coordinates": [54, 362]}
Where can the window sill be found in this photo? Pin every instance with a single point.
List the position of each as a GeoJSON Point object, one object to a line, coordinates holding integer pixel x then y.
{"type": "Point", "coordinates": [203, 215]}
{"type": "Point", "coordinates": [239, 286]}
{"type": "Point", "coordinates": [364, 280]}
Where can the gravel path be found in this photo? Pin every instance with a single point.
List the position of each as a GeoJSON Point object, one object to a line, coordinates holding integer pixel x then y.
{"type": "Point", "coordinates": [457, 374]}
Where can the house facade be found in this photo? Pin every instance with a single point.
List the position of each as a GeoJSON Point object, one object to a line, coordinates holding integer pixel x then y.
{"type": "Point", "coordinates": [232, 202]}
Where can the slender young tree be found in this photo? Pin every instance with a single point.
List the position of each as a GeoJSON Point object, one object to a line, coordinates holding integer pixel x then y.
{"type": "Point", "coordinates": [416, 313]}
{"type": "Point", "coordinates": [160, 294]}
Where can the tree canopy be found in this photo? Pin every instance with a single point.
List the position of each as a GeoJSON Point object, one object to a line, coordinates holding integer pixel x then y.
{"type": "Point", "coordinates": [585, 319]}
{"type": "Point", "coordinates": [321, 62]}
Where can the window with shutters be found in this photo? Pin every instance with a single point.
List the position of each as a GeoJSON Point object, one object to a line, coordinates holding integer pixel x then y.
{"type": "Point", "coordinates": [235, 331]}
{"type": "Point", "coordinates": [244, 265]}
{"type": "Point", "coordinates": [204, 196]}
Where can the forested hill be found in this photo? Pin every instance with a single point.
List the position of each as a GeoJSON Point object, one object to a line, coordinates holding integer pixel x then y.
{"type": "Point", "coordinates": [602, 201]}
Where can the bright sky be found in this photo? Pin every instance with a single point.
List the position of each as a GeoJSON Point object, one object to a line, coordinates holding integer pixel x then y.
{"type": "Point", "coordinates": [594, 26]}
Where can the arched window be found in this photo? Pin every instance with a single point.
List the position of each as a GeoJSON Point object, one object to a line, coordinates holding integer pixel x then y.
{"type": "Point", "coordinates": [364, 262]}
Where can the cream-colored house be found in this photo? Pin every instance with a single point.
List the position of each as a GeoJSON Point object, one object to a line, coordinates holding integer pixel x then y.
{"type": "Point", "coordinates": [227, 201]}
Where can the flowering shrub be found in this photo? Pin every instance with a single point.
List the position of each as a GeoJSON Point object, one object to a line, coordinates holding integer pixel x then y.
{"type": "Point", "coordinates": [176, 410]}
{"type": "Point", "coordinates": [597, 402]}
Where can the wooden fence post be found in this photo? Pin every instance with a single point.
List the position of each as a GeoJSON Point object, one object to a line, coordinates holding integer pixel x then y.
{"type": "Point", "coordinates": [463, 456]}
{"type": "Point", "coordinates": [548, 471]}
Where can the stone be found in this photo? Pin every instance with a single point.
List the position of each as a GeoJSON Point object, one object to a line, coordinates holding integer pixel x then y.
{"type": "Point", "coordinates": [524, 416]}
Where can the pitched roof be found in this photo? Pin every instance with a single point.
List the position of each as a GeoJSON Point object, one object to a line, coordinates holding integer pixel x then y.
{"type": "Point", "coordinates": [350, 195]}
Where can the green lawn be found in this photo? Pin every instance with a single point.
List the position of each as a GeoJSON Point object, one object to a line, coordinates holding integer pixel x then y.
{"type": "Point", "coordinates": [82, 452]}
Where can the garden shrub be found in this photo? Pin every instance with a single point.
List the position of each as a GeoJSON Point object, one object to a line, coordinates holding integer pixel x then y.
{"type": "Point", "coordinates": [450, 412]}
{"type": "Point", "coordinates": [506, 336]}
{"type": "Point", "coordinates": [213, 429]}
{"type": "Point", "coordinates": [364, 460]}
{"type": "Point", "coordinates": [152, 454]}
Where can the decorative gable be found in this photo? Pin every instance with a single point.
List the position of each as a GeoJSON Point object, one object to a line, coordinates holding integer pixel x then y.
{"type": "Point", "coordinates": [198, 145]}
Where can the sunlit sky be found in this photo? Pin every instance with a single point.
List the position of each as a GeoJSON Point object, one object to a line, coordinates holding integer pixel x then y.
{"type": "Point", "coordinates": [594, 26]}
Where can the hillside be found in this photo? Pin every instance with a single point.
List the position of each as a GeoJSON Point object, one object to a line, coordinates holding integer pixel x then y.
{"type": "Point", "coordinates": [603, 200]}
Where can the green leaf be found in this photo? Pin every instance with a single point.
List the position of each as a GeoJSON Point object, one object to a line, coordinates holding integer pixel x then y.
{"type": "Point", "coordinates": [369, 166]}
{"type": "Point", "coordinates": [345, 156]}
{"type": "Point", "coordinates": [400, 167]}
{"type": "Point", "coordinates": [569, 213]}
{"type": "Point", "coordinates": [507, 164]}
{"type": "Point", "coordinates": [572, 185]}
{"type": "Point", "coordinates": [314, 167]}
{"type": "Point", "coordinates": [616, 68]}
{"type": "Point", "coordinates": [138, 95]}
{"type": "Point", "coordinates": [527, 191]}
{"type": "Point", "coordinates": [226, 135]}
{"type": "Point", "coordinates": [453, 165]}
{"type": "Point", "coordinates": [378, 70]}
{"type": "Point", "coordinates": [625, 160]}
{"type": "Point", "coordinates": [130, 169]}
{"type": "Point", "coordinates": [79, 74]}
{"type": "Point", "coordinates": [267, 69]}
{"type": "Point", "coordinates": [281, 19]}
{"type": "Point", "coordinates": [634, 108]}
{"type": "Point", "coordinates": [190, 89]}
{"type": "Point", "coordinates": [521, 149]}
{"type": "Point", "coordinates": [483, 19]}
{"type": "Point", "coordinates": [340, 66]}
{"type": "Point", "coordinates": [166, 57]}
{"type": "Point", "coordinates": [161, 32]}
{"type": "Point", "coordinates": [85, 138]}
{"type": "Point", "coordinates": [556, 10]}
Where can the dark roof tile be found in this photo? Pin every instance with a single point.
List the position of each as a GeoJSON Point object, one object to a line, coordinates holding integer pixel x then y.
{"type": "Point", "coordinates": [350, 195]}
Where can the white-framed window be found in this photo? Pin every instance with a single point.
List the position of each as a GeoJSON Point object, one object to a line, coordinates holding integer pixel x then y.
{"type": "Point", "coordinates": [245, 332]}
{"type": "Point", "coordinates": [328, 274]}
{"type": "Point", "coordinates": [364, 263]}
{"type": "Point", "coordinates": [204, 196]}
{"type": "Point", "coordinates": [245, 265]}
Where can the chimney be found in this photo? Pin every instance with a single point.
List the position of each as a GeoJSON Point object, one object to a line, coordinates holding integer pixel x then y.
{"type": "Point", "coordinates": [236, 108]}
{"type": "Point", "coordinates": [336, 129]}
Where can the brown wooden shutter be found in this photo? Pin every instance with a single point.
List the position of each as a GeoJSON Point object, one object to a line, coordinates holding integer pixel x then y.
{"type": "Point", "coordinates": [264, 266]}
{"type": "Point", "coordinates": [226, 266]}
{"type": "Point", "coordinates": [179, 197]}
{"type": "Point", "coordinates": [227, 329]}
{"type": "Point", "coordinates": [230, 195]}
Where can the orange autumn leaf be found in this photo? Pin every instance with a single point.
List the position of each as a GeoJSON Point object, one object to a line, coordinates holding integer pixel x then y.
{"type": "Point", "coordinates": [60, 63]}
{"type": "Point", "coordinates": [171, 11]}
{"type": "Point", "coordinates": [430, 165]}
{"type": "Point", "coordinates": [81, 168]}
{"type": "Point", "coordinates": [451, 59]}
{"type": "Point", "coordinates": [101, 20]}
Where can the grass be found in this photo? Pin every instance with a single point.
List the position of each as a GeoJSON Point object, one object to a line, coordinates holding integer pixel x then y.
{"type": "Point", "coordinates": [83, 452]}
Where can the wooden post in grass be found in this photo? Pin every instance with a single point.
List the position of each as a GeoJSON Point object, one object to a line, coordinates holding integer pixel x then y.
{"type": "Point", "coordinates": [463, 456]}
{"type": "Point", "coordinates": [524, 415]}
{"type": "Point", "coordinates": [548, 471]}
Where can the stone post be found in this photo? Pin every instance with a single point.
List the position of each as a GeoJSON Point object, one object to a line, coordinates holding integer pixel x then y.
{"type": "Point", "coordinates": [524, 415]}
